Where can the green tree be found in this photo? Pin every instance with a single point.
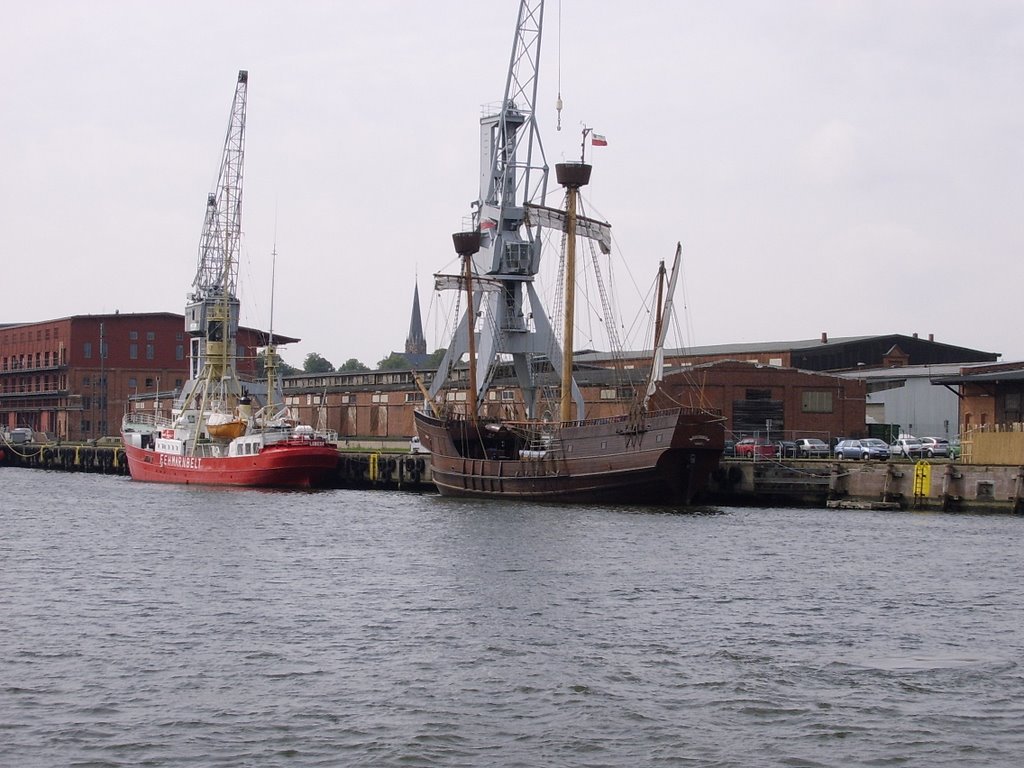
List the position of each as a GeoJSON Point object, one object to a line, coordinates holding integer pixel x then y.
{"type": "Point", "coordinates": [352, 365]}
{"type": "Point", "coordinates": [435, 358]}
{"type": "Point", "coordinates": [394, 362]}
{"type": "Point", "coordinates": [283, 369]}
{"type": "Point", "coordinates": [315, 363]}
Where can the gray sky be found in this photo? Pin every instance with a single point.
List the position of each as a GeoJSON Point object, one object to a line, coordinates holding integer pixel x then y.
{"type": "Point", "coordinates": [849, 167]}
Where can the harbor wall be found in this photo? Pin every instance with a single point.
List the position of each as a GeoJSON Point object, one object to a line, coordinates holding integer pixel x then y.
{"type": "Point", "coordinates": [936, 485]}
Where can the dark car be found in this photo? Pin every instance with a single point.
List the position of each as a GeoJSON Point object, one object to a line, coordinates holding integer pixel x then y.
{"type": "Point", "coordinates": [786, 449]}
{"type": "Point", "coordinates": [756, 446]}
{"type": "Point", "coordinates": [811, 448]}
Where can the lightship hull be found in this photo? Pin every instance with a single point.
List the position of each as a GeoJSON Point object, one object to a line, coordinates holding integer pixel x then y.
{"type": "Point", "coordinates": [666, 458]}
{"type": "Point", "coordinates": [307, 464]}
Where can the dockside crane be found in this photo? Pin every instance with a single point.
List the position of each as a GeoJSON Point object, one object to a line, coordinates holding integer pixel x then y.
{"type": "Point", "coordinates": [212, 307]}
{"type": "Point", "coordinates": [513, 172]}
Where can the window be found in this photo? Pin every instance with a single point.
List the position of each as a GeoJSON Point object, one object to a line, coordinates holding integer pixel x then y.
{"type": "Point", "coordinates": [508, 395]}
{"type": "Point", "coordinates": [86, 381]}
{"type": "Point", "coordinates": [133, 351]}
{"type": "Point", "coordinates": [179, 352]}
{"type": "Point", "coordinates": [150, 336]}
{"type": "Point", "coordinates": [133, 335]}
{"type": "Point", "coordinates": [379, 397]}
{"type": "Point", "coordinates": [150, 352]}
{"type": "Point", "coordinates": [412, 397]}
{"type": "Point", "coordinates": [133, 383]}
{"type": "Point", "coordinates": [817, 402]}
{"type": "Point", "coordinates": [150, 382]}
{"type": "Point", "coordinates": [87, 350]}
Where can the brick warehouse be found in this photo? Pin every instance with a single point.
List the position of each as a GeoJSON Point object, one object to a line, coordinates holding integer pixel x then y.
{"type": "Point", "coordinates": [71, 377]}
{"type": "Point", "coordinates": [380, 404]}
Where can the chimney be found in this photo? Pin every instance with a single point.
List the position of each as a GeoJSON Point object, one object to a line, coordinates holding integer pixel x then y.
{"type": "Point", "coordinates": [931, 337]}
{"type": "Point", "coordinates": [915, 334]}
{"type": "Point", "coordinates": [824, 337]}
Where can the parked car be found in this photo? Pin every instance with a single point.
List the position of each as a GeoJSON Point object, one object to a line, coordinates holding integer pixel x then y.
{"type": "Point", "coordinates": [785, 449]}
{"type": "Point", "coordinates": [955, 449]}
{"type": "Point", "coordinates": [811, 448]}
{"type": "Point", "coordinates": [755, 446]}
{"type": "Point", "coordinates": [20, 435]}
{"type": "Point", "coordinates": [908, 447]}
{"type": "Point", "coordinates": [935, 446]}
{"type": "Point", "coordinates": [730, 449]}
{"type": "Point", "coordinates": [867, 448]}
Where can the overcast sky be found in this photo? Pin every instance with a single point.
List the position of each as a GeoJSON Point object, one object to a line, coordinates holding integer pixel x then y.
{"type": "Point", "coordinates": [847, 167]}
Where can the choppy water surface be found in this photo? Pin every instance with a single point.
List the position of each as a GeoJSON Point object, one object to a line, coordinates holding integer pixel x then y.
{"type": "Point", "coordinates": [151, 625]}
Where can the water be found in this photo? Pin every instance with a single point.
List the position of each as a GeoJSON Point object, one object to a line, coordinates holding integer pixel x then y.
{"type": "Point", "coordinates": [144, 625]}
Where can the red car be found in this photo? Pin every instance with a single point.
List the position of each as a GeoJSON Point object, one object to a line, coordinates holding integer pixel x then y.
{"type": "Point", "coordinates": [756, 446]}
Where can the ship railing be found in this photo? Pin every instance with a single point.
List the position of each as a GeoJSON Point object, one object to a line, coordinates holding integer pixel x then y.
{"type": "Point", "coordinates": [146, 419]}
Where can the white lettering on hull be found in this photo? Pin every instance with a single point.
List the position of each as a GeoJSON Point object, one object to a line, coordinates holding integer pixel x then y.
{"type": "Point", "coordinates": [180, 462]}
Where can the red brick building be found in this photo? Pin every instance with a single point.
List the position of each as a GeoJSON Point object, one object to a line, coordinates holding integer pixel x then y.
{"type": "Point", "coordinates": [380, 404]}
{"type": "Point", "coordinates": [71, 377]}
{"type": "Point", "coordinates": [784, 403]}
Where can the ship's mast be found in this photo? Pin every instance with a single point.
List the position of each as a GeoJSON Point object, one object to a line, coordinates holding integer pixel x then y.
{"type": "Point", "coordinates": [211, 316]}
{"type": "Point", "coordinates": [513, 172]}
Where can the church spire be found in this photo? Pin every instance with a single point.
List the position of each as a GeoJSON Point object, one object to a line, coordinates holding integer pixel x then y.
{"type": "Point", "coordinates": [415, 343]}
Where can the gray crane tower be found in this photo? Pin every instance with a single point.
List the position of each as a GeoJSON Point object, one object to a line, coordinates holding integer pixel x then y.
{"type": "Point", "coordinates": [510, 319]}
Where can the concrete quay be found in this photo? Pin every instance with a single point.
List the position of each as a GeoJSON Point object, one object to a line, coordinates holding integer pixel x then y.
{"type": "Point", "coordinates": [927, 485]}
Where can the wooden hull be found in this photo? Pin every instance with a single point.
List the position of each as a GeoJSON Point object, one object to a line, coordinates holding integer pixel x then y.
{"type": "Point", "coordinates": [281, 465]}
{"type": "Point", "coordinates": [665, 459]}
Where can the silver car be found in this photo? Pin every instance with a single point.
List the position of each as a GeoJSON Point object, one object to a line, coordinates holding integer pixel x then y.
{"type": "Point", "coordinates": [811, 448]}
{"type": "Point", "coordinates": [866, 448]}
{"type": "Point", "coordinates": [909, 447]}
{"type": "Point", "coordinates": [935, 446]}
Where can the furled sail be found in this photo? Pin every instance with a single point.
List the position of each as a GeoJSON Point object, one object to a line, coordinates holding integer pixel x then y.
{"type": "Point", "coordinates": [555, 219]}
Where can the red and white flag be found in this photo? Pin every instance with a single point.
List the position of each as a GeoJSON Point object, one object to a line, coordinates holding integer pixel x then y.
{"type": "Point", "coordinates": [597, 140]}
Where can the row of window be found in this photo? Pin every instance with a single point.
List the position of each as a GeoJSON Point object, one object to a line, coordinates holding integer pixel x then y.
{"type": "Point", "coordinates": [133, 351]}
{"type": "Point", "coordinates": [41, 360]}
{"type": "Point", "coordinates": [23, 336]}
{"type": "Point", "coordinates": [15, 384]}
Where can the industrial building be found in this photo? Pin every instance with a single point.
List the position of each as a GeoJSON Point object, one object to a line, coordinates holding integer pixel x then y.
{"type": "Point", "coordinates": [71, 378]}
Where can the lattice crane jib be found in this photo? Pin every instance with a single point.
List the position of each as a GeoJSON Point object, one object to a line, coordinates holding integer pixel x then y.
{"type": "Point", "coordinates": [212, 309]}
{"type": "Point", "coordinates": [513, 172]}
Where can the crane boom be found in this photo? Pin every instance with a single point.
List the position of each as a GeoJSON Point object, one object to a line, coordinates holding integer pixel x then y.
{"type": "Point", "coordinates": [212, 308]}
{"type": "Point", "coordinates": [222, 228]}
{"type": "Point", "coordinates": [513, 173]}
